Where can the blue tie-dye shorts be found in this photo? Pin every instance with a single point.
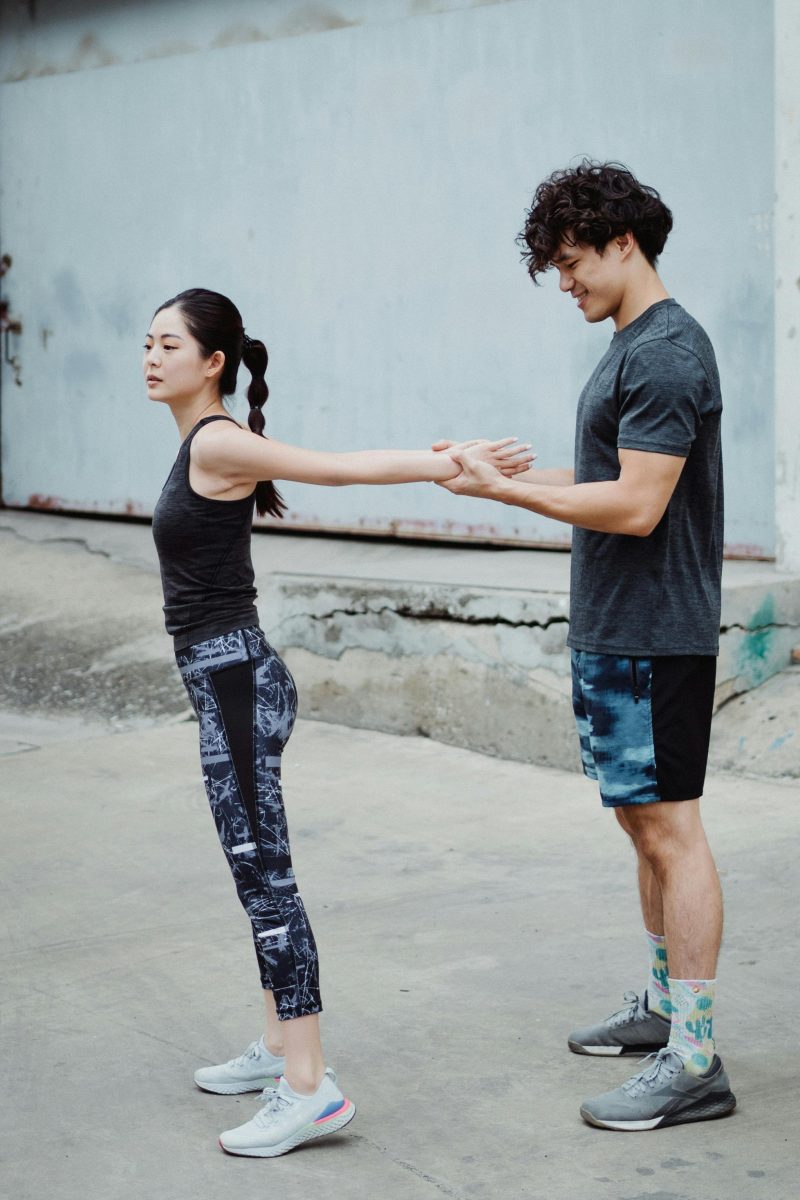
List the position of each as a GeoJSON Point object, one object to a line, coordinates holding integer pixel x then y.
{"type": "Point", "coordinates": [644, 724]}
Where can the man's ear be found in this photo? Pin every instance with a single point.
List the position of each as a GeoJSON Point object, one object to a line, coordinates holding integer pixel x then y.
{"type": "Point", "coordinates": [625, 243]}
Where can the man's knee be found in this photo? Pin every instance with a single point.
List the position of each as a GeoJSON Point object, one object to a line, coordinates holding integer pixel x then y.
{"type": "Point", "coordinates": [661, 832]}
{"type": "Point", "coordinates": [657, 851]}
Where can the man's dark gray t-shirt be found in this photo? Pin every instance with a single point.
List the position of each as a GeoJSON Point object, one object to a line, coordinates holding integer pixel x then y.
{"type": "Point", "coordinates": [656, 389]}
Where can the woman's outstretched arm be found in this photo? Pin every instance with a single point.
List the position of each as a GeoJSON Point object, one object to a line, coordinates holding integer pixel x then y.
{"type": "Point", "coordinates": [240, 457]}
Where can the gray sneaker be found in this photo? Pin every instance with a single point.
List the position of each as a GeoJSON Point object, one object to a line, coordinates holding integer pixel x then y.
{"type": "Point", "coordinates": [664, 1093]}
{"type": "Point", "coordinates": [631, 1030]}
{"type": "Point", "coordinates": [252, 1071]}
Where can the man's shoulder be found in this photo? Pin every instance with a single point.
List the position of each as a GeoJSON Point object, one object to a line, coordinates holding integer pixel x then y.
{"type": "Point", "coordinates": [674, 340]}
{"type": "Point", "coordinates": [671, 323]}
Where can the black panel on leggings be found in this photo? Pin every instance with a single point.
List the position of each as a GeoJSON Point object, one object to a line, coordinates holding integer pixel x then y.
{"type": "Point", "coordinates": [682, 704]}
{"type": "Point", "coordinates": [235, 690]}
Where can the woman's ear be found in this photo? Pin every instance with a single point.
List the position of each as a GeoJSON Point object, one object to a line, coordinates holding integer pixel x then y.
{"type": "Point", "coordinates": [215, 365]}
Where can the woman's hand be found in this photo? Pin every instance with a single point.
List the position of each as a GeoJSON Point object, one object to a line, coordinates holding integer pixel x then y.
{"type": "Point", "coordinates": [479, 474]}
{"type": "Point", "coordinates": [508, 456]}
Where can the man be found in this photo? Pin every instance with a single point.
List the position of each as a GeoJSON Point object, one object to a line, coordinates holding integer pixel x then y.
{"type": "Point", "coordinates": [645, 498]}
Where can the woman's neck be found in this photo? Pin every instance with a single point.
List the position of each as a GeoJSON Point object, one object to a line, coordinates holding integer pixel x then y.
{"type": "Point", "coordinates": [188, 414]}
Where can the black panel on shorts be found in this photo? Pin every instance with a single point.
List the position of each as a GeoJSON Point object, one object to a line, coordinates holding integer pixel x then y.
{"type": "Point", "coordinates": [682, 704]}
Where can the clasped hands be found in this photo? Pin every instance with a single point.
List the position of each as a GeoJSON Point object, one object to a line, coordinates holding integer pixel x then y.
{"type": "Point", "coordinates": [483, 464]}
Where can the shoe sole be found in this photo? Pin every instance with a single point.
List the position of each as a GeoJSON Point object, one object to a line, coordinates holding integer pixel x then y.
{"type": "Point", "coordinates": [704, 1110]}
{"type": "Point", "coordinates": [317, 1129]}
{"type": "Point", "coordinates": [615, 1051]}
{"type": "Point", "coordinates": [237, 1089]}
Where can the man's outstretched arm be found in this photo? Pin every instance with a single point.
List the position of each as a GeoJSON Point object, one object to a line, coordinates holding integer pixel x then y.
{"type": "Point", "coordinates": [632, 504]}
{"type": "Point", "coordinates": [548, 476]}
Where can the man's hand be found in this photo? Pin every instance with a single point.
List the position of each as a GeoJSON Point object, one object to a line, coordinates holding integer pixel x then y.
{"type": "Point", "coordinates": [507, 456]}
{"type": "Point", "coordinates": [480, 474]}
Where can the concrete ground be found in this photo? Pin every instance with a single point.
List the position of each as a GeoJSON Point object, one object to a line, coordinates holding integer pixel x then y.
{"type": "Point", "coordinates": [470, 911]}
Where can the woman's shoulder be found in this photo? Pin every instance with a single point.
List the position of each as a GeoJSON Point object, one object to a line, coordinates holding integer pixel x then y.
{"type": "Point", "coordinates": [215, 436]}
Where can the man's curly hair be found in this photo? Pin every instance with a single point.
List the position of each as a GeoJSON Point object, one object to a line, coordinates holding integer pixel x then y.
{"type": "Point", "coordinates": [590, 204]}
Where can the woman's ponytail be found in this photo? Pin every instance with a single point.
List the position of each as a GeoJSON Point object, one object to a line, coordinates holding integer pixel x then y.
{"type": "Point", "coordinates": [269, 501]}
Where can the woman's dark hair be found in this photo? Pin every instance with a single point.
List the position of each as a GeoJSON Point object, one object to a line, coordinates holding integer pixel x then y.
{"type": "Point", "coordinates": [590, 204]}
{"type": "Point", "coordinates": [215, 323]}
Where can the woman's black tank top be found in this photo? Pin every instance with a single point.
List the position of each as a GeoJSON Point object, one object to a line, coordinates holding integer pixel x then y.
{"type": "Point", "coordinates": [204, 552]}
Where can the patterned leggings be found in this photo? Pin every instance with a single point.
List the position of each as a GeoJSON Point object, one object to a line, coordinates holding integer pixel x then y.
{"type": "Point", "coordinates": [245, 701]}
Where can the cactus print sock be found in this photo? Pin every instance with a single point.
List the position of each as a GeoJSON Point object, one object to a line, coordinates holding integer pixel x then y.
{"type": "Point", "coordinates": [690, 1036]}
{"type": "Point", "coordinates": [657, 981]}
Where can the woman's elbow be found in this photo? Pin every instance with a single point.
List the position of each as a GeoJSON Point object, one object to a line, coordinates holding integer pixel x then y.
{"type": "Point", "coordinates": [333, 476]}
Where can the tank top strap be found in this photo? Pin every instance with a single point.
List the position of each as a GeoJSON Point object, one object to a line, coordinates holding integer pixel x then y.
{"type": "Point", "coordinates": [187, 441]}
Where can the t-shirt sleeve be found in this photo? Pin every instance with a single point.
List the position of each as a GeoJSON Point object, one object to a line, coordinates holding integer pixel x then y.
{"type": "Point", "coordinates": [662, 393]}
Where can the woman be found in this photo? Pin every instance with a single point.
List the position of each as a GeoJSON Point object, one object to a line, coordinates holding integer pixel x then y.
{"type": "Point", "coordinates": [240, 689]}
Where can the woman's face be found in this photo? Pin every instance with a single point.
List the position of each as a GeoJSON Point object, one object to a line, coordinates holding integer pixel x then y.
{"type": "Point", "coordinates": [173, 364]}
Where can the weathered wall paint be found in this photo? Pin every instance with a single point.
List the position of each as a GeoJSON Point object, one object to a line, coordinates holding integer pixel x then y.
{"type": "Point", "coordinates": [65, 36]}
{"type": "Point", "coordinates": [356, 185]}
{"type": "Point", "coordinates": [759, 654]}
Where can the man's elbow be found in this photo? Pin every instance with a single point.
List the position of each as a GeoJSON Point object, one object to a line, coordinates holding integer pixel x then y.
{"type": "Point", "coordinates": [641, 522]}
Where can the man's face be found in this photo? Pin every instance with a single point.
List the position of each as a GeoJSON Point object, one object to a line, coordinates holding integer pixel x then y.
{"type": "Point", "coordinates": [596, 281]}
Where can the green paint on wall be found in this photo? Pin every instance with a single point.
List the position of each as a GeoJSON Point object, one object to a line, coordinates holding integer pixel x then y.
{"type": "Point", "coordinates": [755, 651]}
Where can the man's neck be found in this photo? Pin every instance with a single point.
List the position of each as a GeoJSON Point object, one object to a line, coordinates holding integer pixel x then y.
{"type": "Point", "coordinates": [642, 294]}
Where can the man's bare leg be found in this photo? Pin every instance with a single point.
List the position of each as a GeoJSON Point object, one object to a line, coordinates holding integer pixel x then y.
{"type": "Point", "coordinates": [657, 987]}
{"type": "Point", "coordinates": [649, 887]}
{"type": "Point", "coordinates": [676, 864]}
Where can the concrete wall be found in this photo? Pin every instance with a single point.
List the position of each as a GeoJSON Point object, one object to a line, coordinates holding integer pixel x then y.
{"type": "Point", "coordinates": [354, 176]}
{"type": "Point", "coordinates": [787, 283]}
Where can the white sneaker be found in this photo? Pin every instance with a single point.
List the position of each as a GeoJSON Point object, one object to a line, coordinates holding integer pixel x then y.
{"type": "Point", "coordinates": [287, 1120]}
{"type": "Point", "coordinates": [250, 1072]}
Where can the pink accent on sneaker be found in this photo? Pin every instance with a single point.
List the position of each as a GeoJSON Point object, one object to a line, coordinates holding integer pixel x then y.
{"type": "Point", "coordinates": [342, 1108]}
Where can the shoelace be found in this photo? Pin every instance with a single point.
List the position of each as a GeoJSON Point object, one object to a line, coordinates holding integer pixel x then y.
{"type": "Point", "coordinates": [665, 1066]}
{"type": "Point", "coordinates": [275, 1105]}
{"type": "Point", "coordinates": [252, 1051]}
{"type": "Point", "coordinates": [634, 1010]}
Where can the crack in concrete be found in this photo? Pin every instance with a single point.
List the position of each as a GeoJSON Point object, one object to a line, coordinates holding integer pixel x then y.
{"type": "Point", "coordinates": [407, 1166]}
{"type": "Point", "coordinates": [431, 614]}
{"type": "Point", "coordinates": [52, 541]}
{"type": "Point", "coordinates": [758, 628]}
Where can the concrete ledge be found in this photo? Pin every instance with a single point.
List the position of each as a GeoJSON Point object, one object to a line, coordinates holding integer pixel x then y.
{"type": "Point", "coordinates": [465, 646]}
{"type": "Point", "coordinates": [485, 667]}
{"type": "Point", "coordinates": [760, 626]}
{"type": "Point", "coordinates": [758, 733]}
